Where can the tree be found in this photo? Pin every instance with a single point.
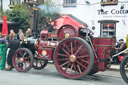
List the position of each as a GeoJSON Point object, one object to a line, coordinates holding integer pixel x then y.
{"type": "Point", "coordinates": [20, 15]}
{"type": "Point", "coordinates": [1, 9]}
{"type": "Point", "coordinates": [47, 9]}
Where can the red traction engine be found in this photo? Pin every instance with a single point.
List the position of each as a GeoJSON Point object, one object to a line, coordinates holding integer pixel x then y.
{"type": "Point", "coordinates": [75, 52]}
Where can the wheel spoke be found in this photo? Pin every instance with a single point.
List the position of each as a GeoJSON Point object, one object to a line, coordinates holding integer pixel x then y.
{"type": "Point", "coordinates": [65, 51]}
{"type": "Point", "coordinates": [17, 57]}
{"type": "Point", "coordinates": [72, 66]}
{"type": "Point", "coordinates": [41, 63]}
{"type": "Point", "coordinates": [83, 51]}
{"type": "Point", "coordinates": [75, 69]}
{"type": "Point", "coordinates": [25, 61]}
{"type": "Point", "coordinates": [79, 68]}
{"type": "Point", "coordinates": [67, 66]}
{"type": "Point", "coordinates": [81, 64]}
{"type": "Point", "coordinates": [20, 53]}
{"type": "Point", "coordinates": [64, 64]}
{"type": "Point", "coordinates": [25, 65]}
{"type": "Point", "coordinates": [83, 56]}
{"type": "Point", "coordinates": [71, 48]}
{"type": "Point", "coordinates": [26, 58]}
{"type": "Point", "coordinates": [78, 49]}
{"type": "Point", "coordinates": [84, 61]}
{"type": "Point", "coordinates": [66, 47]}
{"type": "Point", "coordinates": [62, 55]}
{"type": "Point", "coordinates": [63, 59]}
{"type": "Point", "coordinates": [24, 55]}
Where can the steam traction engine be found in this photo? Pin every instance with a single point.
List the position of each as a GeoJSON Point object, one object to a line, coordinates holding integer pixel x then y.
{"type": "Point", "coordinates": [75, 52]}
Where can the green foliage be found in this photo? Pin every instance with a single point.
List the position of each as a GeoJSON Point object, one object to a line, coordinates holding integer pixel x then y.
{"type": "Point", "coordinates": [48, 10]}
{"type": "Point", "coordinates": [42, 18]}
{"type": "Point", "coordinates": [20, 15]}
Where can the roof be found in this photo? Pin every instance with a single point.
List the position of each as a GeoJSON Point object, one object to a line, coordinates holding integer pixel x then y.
{"type": "Point", "coordinates": [1, 22]}
{"type": "Point", "coordinates": [68, 20]}
{"type": "Point", "coordinates": [108, 21]}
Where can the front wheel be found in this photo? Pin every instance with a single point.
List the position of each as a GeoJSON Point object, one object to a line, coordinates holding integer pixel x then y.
{"type": "Point", "coordinates": [73, 58]}
{"type": "Point", "coordinates": [23, 60]}
{"type": "Point", "coordinates": [124, 69]}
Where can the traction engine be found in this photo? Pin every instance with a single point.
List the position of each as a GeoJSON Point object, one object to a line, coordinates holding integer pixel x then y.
{"type": "Point", "coordinates": [75, 52]}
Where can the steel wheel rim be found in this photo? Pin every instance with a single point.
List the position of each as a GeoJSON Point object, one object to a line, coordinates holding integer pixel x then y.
{"type": "Point", "coordinates": [79, 65]}
{"type": "Point", "coordinates": [125, 69]}
{"type": "Point", "coordinates": [22, 65]}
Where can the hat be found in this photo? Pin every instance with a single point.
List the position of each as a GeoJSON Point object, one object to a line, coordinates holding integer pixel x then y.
{"type": "Point", "coordinates": [121, 40]}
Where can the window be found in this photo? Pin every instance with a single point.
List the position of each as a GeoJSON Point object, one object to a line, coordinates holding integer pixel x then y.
{"type": "Point", "coordinates": [69, 3]}
{"type": "Point", "coordinates": [109, 2]}
{"type": "Point", "coordinates": [108, 30]}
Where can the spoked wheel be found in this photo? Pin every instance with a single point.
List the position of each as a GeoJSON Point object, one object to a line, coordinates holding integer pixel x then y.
{"type": "Point", "coordinates": [73, 58]}
{"type": "Point", "coordinates": [124, 69]}
{"type": "Point", "coordinates": [23, 60]}
{"type": "Point", "coordinates": [39, 64]}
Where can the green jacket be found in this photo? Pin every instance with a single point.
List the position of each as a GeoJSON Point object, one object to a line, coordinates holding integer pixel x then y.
{"type": "Point", "coordinates": [3, 50]}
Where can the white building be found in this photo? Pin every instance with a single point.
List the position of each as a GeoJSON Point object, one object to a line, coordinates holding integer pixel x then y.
{"type": "Point", "coordinates": [91, 11]}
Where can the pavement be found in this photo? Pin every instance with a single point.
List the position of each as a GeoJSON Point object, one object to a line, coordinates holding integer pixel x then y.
{"type": "Point", "coordinates": [50, 76]}
{"type": "Point", "coordinates": [115, 67]}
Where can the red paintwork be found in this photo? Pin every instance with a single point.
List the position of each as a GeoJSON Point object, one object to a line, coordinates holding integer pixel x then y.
{"type": "Point", "coordinates": [49, 53]}
{"type": "Point", "coordinates": [64, 20]}
{"type": "Point", "coordinates": [102, 48]}
{"type": "Point", "coordinates": [52, 35]}
{"type": "Point", "coordinates": [121, 58]}
{"type": "Point", "coordinates": [48, 46]}
{"type": "Point", "coordinates": [102, 45]}
{"type": "Point", "coordinates": [44, 33]}
{"type": "Point", "coordinates": [67, 29]}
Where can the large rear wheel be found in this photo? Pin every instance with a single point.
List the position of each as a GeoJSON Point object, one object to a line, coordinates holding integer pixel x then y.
{"type": "Point", "coordinates": [23, 60]}
{"type": "Point", "coordinates": [73, 58]}
{"type": "Point", "coordinates": [124, 69]}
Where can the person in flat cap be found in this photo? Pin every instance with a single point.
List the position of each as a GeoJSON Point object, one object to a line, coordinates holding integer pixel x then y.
{"type": "Point", "coordinates": [121, 45]}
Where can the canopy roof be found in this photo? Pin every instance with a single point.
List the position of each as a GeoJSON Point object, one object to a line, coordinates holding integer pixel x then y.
{"type": "Point", "coordinates": [67, 20]}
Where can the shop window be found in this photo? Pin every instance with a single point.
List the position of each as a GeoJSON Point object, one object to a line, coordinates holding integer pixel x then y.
{"type": "Point", "coordinates": [109, 2]}
{"type": "Point", "coordinates": [69, 3]}
{"type": "Point", "coordinates": [107, 28]}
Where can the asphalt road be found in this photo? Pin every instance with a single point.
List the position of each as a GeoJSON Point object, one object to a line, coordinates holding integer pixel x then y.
{"type": "Point", "coordinates": [50, 76]}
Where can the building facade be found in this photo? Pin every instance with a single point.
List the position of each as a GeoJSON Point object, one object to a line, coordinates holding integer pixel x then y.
{"type": "Point", "coordinates": [108, 17]}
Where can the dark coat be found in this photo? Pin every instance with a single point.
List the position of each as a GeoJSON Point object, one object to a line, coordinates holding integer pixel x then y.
{"type": "Point", "coordinates": [13, 45]}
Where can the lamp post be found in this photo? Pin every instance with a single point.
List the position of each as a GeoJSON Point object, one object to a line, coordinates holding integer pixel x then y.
{"type": "Point", "coordinates": [34, 14]}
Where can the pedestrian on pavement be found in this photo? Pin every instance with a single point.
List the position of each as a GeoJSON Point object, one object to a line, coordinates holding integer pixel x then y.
{"type": "Point", "coordinates": [20, 35]}
{"type": "Point", "coordinates": [3, 49]}
{"type": "Point", "coordinates": [28, 33]}
{"type": "Point", "coordinates": [13, 44]}
{"type": "Point", "coordinates": [11, 35]}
